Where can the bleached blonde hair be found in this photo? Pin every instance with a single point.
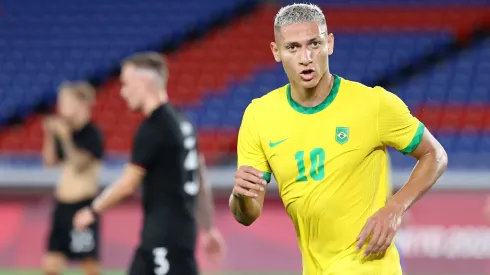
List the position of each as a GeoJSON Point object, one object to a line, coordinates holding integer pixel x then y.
{"type": "Point", "coordinates": [299, 13]}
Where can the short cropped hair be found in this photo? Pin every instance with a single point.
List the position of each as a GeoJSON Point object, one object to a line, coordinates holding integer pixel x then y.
{"type": "Point", "coordinates": [149, 60]}
{"type": "Point", "coordinates": [82, 90]}
{"type": "Point", "coordinates": [299, 13]}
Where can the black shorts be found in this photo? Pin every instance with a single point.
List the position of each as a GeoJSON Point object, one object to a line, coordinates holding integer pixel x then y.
{"type": "Point", "coordinates": [74, 244]}
{"type": "Point", "coordinates": [168, 260]}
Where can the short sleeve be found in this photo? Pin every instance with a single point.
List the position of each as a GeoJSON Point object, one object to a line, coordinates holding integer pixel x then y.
{"type": "Point", "coordinates": [249, 149]}
{"type": "Point", "coordinates": [92, 142]}
{"type": "Point", "coordinates": [397, 127]}
{"type": "Point", "coordinates": [145, 147]}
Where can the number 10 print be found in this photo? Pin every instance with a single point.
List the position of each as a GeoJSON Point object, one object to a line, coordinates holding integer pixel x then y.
{"type": "Point", "coordinates": [317, 169]}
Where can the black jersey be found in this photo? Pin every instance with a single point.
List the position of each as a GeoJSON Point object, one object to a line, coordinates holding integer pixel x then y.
{"type": "Point", "coordinates": [88, 138]}
{"type": "Point", "coordinates": [165, 146]}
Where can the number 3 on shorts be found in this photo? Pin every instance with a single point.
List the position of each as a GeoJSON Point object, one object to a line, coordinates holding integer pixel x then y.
{"type": "Point", "coordinates": [161, 263]}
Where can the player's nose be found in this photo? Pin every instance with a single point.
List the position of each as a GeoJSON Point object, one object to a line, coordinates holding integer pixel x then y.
{"type": "Point", "coordinates": [306, 57]}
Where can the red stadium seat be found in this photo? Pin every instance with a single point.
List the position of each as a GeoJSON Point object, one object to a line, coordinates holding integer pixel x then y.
{"type": "Point", "coordinates": [486, 120]}
{"type": "Point", "coordinates": [473, 118]}
{"type": "Point", "coordinates": [431, 116]}
{"type": "Point", "coordinates": [452, 119]}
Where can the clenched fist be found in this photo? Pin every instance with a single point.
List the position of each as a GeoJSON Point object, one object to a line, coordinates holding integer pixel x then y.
{"type": "Point", "coordinates": [248, 180]}
{"type": "Point", "coordinates": [83, 218]}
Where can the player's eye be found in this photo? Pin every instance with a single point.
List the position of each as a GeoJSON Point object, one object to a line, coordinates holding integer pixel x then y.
{"type": "Point", "coordinates": [315, 44]}
{"type": "Point", "coordinates": [291, 47]}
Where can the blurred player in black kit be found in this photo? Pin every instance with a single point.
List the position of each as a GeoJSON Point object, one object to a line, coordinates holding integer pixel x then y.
{"type": "Point", "coordinates": [76, 144]}
{"type": "Point", "coordinates": [166, 163]}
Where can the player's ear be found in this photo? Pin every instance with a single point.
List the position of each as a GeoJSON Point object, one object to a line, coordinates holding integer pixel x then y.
{"type": "Point", "coordinates": [330, 43]}
{"type": "Point", "coordinates": [275, 52]}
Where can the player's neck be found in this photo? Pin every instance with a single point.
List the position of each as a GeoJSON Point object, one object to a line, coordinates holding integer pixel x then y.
{"type": "Point", "coordinates": [154, 103]}
{"type": "Point", "coordinates": [311, 97]}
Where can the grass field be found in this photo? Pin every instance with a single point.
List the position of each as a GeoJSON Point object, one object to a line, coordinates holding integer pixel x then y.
{"type": "Point", "coordinates": [37, 272]}
{"type": "Point", "coordinates": [115, 272]}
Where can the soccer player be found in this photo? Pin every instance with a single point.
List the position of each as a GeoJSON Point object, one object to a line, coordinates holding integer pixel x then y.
{"type": "Point", "coordinates": [74, 142]}
{"type": "Point", "coordinates": [165, 163]}
{"type": "Point", "coordinates": [324, 137]}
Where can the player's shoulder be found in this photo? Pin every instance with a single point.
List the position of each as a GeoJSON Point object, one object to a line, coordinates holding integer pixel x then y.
{"type": "Point", "coordinates": [267, 101]}
{"type": "Point", "coordinates": [376, 98]}
{"type": "Point", "coordinates": [361, 88]}
{"type": "Point", "coordinates": [147, 128]}
{"type": "Point", "coordinates": [364, 93]}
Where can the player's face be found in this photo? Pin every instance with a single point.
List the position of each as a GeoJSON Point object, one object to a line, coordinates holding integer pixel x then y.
{"type": "Point", "coordinates": [303, 49]}
{"type": "Point", "coordinates": [133, 87]}
{"type": "Point", "coordinates": [69, 107]}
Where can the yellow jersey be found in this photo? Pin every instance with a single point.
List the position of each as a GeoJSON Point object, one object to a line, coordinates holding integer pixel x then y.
{"type": "Point", "coordinates": [386, 174]}
{"type": "Point", "coordinates": [328, 162]}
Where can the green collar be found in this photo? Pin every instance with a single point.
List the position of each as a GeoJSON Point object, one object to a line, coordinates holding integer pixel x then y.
{"type": "Point", "coordinates": [313, 110]}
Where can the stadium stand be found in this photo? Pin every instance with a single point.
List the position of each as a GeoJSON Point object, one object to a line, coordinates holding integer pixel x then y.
{"type": "Point", "coordinates": [453, 99]}
{"type": "Point", "coordinates": [53, 41]}
{"type": "Point", "coordinates": [215, 91]}
{"type": "Point", "coordinates": [405, 3]}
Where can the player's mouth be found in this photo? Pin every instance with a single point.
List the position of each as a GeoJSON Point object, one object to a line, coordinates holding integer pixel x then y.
{"type": "Point", "coordinates": [307, 74]}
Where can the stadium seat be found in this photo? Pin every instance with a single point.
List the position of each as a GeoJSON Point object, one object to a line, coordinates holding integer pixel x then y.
{"type": "Point", "coordinates": [65, 41]}
{"type": "Point", "coordinates": [354, 3]}
{"type": "Point", "coordinates": [214, 88]}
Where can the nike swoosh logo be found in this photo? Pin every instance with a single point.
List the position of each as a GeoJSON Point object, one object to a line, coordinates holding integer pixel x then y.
{"type": "Point", "coordinates": [274, 144]}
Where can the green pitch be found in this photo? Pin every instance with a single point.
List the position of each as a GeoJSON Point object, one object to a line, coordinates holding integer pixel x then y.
{"type": "Point", "coordinates": [115, 272]}
{"type": "Point", "coordinates": [36, 272]}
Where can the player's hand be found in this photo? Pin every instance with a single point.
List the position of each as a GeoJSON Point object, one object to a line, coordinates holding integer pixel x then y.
{"type": "Point", "coordinates": [248, 180]}
{"type": "Point", "coordinates": [380, 229]}
{"type": "Point", "coordinates": [60, 128]}
{"type": "Point", "coordinates": [83, 218]}
{"type": "Point", "coordinates": [48, 126]}
{"type": "Point", "coordinates": [214, 245]}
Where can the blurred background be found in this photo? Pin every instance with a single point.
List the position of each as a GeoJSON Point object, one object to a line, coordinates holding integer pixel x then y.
{"type": "Point", "coordinates": [435, 54]}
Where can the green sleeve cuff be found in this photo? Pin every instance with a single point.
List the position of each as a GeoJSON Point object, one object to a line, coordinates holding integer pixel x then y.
{"type": "Point", "coordinates": [266, 176]}
{"type": "Point", "coordinates": [415, 141]}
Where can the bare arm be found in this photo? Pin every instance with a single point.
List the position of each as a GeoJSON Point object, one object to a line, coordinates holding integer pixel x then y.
{"type": "Point", "coordinates": [382, 226]}
{"type": "Point", "coordinates": [246, 210]}
{"type": "Point", "coordinates": [122, 188]}
{"type": "Point", "coordinates": [205, 203]}
{"type": "Point", "coordinates": [432, 162]}
{"type": "Point", "coordinates": [247, 199]}
{"type": "Point", "coordinates": [214, 244]}
{"type": "Point", "coordinates": [49, 155]}
{"type": "Point", "coordinates": [73, 155]}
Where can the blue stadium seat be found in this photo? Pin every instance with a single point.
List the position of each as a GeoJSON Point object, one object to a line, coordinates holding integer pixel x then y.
{"type": "Point", "coordinates": [49, 42]}
{"type": "Point", "coordinates": [454, 81]}
{"type": "Point", "coordinates": [392, 2]}
{"type": "Point", "coordinates": [484, 144]}
{"type": "Point", "coordinates": [66, 41]}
